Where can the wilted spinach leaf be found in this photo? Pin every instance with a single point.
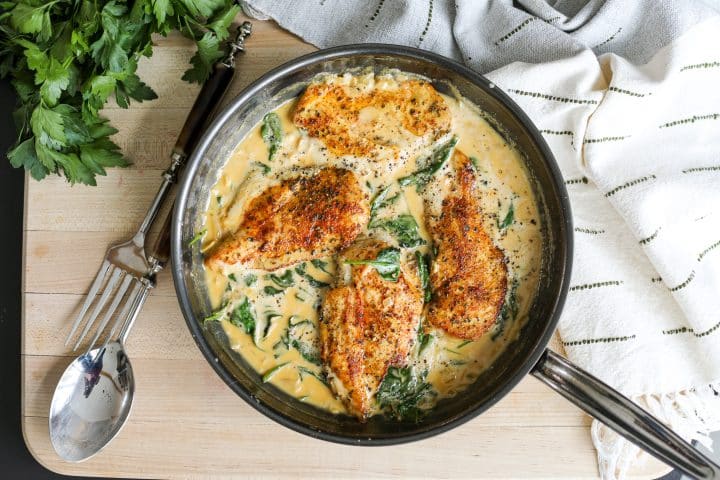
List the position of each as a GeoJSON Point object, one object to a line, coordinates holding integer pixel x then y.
{"type": "Point", "coordinates": [387, 263]}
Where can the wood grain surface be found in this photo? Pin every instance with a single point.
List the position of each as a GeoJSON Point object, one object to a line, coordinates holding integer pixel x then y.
{"type": "Point", "coordinates": [185, 421]}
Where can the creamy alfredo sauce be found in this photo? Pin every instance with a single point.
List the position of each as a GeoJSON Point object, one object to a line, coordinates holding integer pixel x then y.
{"type": "Point", "coordinates": [285, 308]}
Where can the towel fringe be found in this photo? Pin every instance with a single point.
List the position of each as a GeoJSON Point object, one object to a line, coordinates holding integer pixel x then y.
{"type": "Point", "coordinates": [693, 414]}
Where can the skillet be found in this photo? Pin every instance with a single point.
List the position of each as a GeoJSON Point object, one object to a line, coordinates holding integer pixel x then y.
{"type": "Point", "coordinates": [527, 355]}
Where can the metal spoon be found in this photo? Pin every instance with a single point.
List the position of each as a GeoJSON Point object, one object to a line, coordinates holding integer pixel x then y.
{"type": "Point", "coordinates": [93, 398]}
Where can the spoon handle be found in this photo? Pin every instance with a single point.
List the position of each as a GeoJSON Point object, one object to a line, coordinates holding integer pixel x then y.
{"type": "Point", "coordinates": [161, 248]}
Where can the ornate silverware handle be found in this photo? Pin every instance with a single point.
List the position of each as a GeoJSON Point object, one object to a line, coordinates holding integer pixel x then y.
{"type": "Point", "coordinates": [209, 97]}
{"type": "Point", "coordinates": [622, 415]}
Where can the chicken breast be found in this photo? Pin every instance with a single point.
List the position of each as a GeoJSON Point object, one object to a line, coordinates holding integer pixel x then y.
{"type": "Point", "coordinates": [469, 273]}
{"type": "Point", "coordinates": [368, 324]}
{"type": "Point", "coordinates": [300, 219]}
{"type": "Point", "coordinates": [362, 119]}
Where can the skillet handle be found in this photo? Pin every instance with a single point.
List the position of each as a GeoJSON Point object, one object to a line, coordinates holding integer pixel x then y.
{"type": "Point", "coordinates": [622, 415]}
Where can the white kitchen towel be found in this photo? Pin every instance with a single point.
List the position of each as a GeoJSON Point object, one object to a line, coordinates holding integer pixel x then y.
{"type": "Point", "coordinates": [637, 135]}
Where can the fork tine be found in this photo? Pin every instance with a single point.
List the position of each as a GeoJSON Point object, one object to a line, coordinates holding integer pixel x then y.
{"type": "Point", "coordinates": [89, 298]}
{"type": "Point", "coordinates": [109, 287]}
{"type": "Point", "coordinates": [119, 294]}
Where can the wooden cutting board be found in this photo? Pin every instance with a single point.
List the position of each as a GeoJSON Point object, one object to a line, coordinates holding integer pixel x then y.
{"type": "Point", "coordinates": [185, 421]}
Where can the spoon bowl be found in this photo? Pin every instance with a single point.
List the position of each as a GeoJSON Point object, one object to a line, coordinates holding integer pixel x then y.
{"type": "Point", "coordinates": [91, 402]}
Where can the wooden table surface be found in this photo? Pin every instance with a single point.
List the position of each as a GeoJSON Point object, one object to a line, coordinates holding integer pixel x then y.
{"type": "Point", "coordinates": [185, 421]}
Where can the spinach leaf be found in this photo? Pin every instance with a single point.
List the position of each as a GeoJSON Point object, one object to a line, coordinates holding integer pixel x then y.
{"type": "Point", "coordinates": [404, 228]}
{"type": "Point", "coordinates": [423, 339]}
{"type": "Point", "coordinates": [387, 263]}
{"type": "Point", "coordinates": [508, 312]}
{"type": "Point", "coordinates": [283, 281]}
{"type": "Point", "coordinates": [198, 236]}
{"type": "Point", "coordinates": [250, 279]}
{"type": "Point", "coordinates": [319, 376]}
{"type": "Point", "coordinates": [214, 316]}
{"type": "Point", "coordinates": [423, 264]}
{"type": "Point", "coordinates": [509, 218]}
{"type": "Point", "coordinates": [320, 265]}
{"type": "Point", "coordinates": [243, 317]}
{"type": "Point", "coordinates": [271, 373]}
{"type": "Point", "coordinates": [301, 270]}
{"type": "Point", "coordinates": [281, 346]}
{"type": "Point", "coordinates": [264, 169]}
{"type": "Point", "coordinates": [381, 200]}
{"type": "Point", "coordinates": [402, 392]}
{"type": "Point", "coordinates": [271, 132]}
{"type": "Point", "coordinates": [232, 277]}
{"type": "Point", "coordinates": [306, 351]}
{"type": "Point", "coordinates": [270, 290]}
{"type": "Point", "coordinates": [269, 316]}
{"type": "Point", "coordinates": [304, 340]}
{"type": "Point", "coordinates": [431, 164]}
{"type": "Point", "coordinates": [293, 323]}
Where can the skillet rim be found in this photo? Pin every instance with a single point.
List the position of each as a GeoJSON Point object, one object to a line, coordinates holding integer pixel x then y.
{"type": "Point", "coordinates": [538, 347]}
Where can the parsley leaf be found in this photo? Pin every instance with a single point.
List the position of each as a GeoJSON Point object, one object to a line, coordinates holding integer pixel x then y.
{"type": "Point", "coordinates": [66, 58]}
{"type": "Point", "coordinates": [208, 52]}
{"type": "Point", "coordinates": [222, 20]}
{"type": "Point", "coordinates": [57, 79]}
{"type": "Point", "coordinates": [23, 155]}
{"type": "Point", "coordinates": [32, 19]}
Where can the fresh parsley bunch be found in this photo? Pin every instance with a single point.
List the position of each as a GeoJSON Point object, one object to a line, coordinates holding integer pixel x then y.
{"type": "Point", "coordinates": [66, 57]}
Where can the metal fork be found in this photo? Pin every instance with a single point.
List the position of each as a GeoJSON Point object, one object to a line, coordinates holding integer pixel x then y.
{"type": "Point", "coordinates": [127, 274]}
{"type": "Point", "coordinates": [125, 264]}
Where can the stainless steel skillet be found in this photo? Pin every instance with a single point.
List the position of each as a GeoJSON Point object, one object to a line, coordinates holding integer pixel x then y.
{"type": "Point", "coordinates": [526, 355]}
